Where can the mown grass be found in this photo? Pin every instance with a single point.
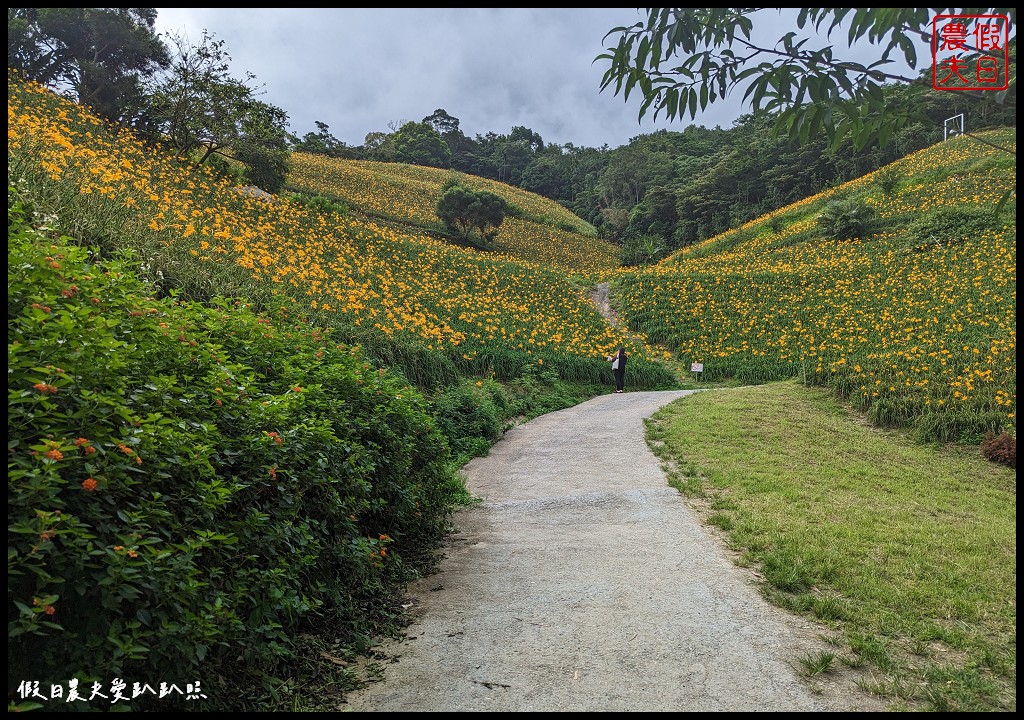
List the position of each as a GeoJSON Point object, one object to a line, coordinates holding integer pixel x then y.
{"type": "Point", "coordinates": [906, 551]}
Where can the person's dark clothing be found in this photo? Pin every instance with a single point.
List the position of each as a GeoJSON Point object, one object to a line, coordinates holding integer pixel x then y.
{"type": "Point", "coordinates": [620, 371]}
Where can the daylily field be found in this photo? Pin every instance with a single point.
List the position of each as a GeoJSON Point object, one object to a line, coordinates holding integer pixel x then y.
{"type": "Point", "coordinates": [915, 323]}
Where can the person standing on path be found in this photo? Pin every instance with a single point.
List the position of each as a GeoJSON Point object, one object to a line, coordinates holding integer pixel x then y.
{"type": "Point", "coordinates": [618, 361]}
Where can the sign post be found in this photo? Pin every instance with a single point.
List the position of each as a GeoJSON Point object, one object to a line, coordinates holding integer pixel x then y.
{"type": "Point", "coordinates": [696, 368]}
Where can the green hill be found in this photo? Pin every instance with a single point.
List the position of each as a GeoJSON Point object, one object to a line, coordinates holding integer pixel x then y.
{"type": "Point", "coordinates": [896, 290]}
{"type": "Point", "coordinates": [538, 230]}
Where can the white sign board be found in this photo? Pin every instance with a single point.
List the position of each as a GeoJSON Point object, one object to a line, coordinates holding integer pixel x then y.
{"type": "Point", "coordinates": [697, 367]}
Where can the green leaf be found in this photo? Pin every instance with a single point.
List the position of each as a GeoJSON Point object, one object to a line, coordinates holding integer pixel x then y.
{"type": "Point", "coordinates": [1003, 200]}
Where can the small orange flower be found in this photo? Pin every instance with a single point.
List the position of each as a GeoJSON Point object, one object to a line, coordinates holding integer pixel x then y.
{"type": "Point", "coordinates": [50, 609]}
{"type": "Point", "coordinates": [89, 450]}
{"type": "Point", "coordinates": [132, 553]}
{"type": "Point", "coordinates": [81, 441]}
{"type": "Point", "coordinates": [54, 454]}
{"type": "Point", "coordinates": [45, 389]}
{"type": "Point", "coordinates": [89, 484]}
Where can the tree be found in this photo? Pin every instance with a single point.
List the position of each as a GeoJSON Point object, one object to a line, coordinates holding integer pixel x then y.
{"type": "Point", "coordinates": [101, 57]}
{"type": "Point", "coordinates": [262, 146]}
{"type": "Point", "coordinates": [441, 121]}
{"type": "Point", "coordinates": [463, 210]}
{"type": "Point", "coordinates": [418, 143]}
{"type": "Point", "coordinates": [530, 138]}
{"type": "Point", "coordinates": [321, 142]}
{"type": "Point", "coordinates": [203, 108]}
{"type": "Point", "coordinates": [379, 146]}
{"type": "Point", "coordinates": [682, 58]}
{"type": "Point", "coordinates": [549, 174]}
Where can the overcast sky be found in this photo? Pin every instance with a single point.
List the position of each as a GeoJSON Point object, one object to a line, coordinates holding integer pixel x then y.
{"type": "Point", "coordinates": [362, 70]}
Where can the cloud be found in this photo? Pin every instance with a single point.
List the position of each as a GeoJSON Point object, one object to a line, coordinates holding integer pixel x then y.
{"type": "Point", "coordinates": [364, 70]}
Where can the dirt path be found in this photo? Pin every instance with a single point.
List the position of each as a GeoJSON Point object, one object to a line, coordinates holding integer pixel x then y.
{"type": "Point", "coordinates": [582, 582]}
{"type": "Point", "coordinates": [599, 296]}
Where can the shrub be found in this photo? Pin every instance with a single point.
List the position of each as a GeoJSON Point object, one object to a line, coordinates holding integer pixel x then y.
{"type": "Point", "coordinates": [1000, 449]}
{"type": "Point", "coordinates": [192, 488]}
{"type": "Point", "coordinates": [846, 219]}
{"type": "Point", "coordinates": [320, 203]}
{"type": "Point", "coordinates": [266, 168]}
{"type": "Point", "coordinates": [887, 179]}
{"type": "Point", "coordinates": [469, 417]}
{"type": "Point", "coordinates": [233, 172]}
{"type": "Point", "coordinates": [642, 250]}
{"type": "Point", "coordinates": [464, 210]}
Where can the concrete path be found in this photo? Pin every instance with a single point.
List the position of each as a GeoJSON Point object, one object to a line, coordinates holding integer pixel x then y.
{"type": "Point", "coordinates": [583, 582]}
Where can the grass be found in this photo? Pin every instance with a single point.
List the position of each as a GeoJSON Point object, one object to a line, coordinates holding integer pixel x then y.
{"type": "Point", "coordinates": [817, 663]}
{"type": "Point", "coordinates": [907, 551]}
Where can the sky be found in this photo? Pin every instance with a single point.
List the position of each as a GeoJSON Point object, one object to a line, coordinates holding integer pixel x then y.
{"type": "Point", "coordinates": [362, 70]}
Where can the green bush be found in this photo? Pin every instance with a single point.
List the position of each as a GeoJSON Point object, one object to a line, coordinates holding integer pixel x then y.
{"type": "Point", "coordinates": [642, 250]}
{"type": "Point", "coordinates": [192, 489]}
{"type": "Point", "coordinates": [470, 417]}
{"type": "Point", "coordinates": [846, 220]}
{"type": "Point", "coordinates": [320, 203]}
{"type": "Point", "coordinates": [887, 179]}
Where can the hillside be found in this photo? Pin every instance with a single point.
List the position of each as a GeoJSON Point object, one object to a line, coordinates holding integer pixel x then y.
{"type": "Point", "coordinates": [897, 290]}
{"type": "Point", "coordinates": [539, 230]}
{"type": "Point", "coordinates": [379, 282]}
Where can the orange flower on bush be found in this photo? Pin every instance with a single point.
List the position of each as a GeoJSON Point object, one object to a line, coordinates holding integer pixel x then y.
{"type": "Point", "coordinates": [89, 484]}
{"type": "Point", "coordinates": [54, 454]}
{"type": "Point", "coordinates": [44, 388]}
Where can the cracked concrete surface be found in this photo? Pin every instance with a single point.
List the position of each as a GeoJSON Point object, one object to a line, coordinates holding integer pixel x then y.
{"type": "Point", "coordinates": [582, 582]}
